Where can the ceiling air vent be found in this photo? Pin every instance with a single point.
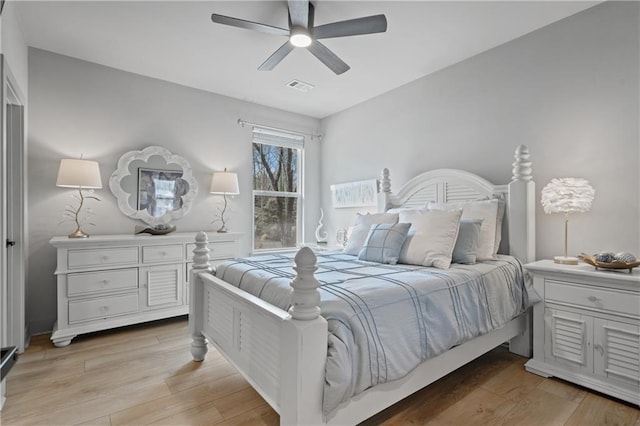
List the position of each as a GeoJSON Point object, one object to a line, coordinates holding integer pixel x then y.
{"type": "Point", "coordinates": [300, 85]}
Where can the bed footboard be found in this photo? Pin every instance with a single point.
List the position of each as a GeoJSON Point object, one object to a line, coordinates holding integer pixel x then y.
{"type": "Point", "coordinates": [261, 341]}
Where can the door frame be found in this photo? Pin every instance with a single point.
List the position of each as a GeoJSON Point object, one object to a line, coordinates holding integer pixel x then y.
{"type": "Point", "coordinates": [13, 190]}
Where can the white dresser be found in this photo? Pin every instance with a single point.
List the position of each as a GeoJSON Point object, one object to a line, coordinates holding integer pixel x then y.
{"type": "Point", "coordinates": [114, 280]}
{"type": "Point", "coordinates": [587, 328]}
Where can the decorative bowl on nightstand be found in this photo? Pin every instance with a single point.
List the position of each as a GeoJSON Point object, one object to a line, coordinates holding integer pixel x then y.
{"type": "Point", "coordinates": [591, 260]}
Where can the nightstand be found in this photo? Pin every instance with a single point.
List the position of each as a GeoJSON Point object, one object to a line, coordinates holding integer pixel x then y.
{"type": "Point", "coordinates": [586, 329]}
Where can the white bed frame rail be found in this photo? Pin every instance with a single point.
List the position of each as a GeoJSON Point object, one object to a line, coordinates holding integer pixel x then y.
{"type": "Point", "coordinates": [253, 334]}
{"type": "Point", "coordinates": [283, 354]}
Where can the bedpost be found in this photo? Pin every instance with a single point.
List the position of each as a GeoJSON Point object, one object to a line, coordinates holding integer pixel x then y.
{"type": "Point", "coordinates": [305, 337]}
{"type": "Point", "coordinates": [522, 236]}
{"type": "Point", "coordinates": [385, 191]}
{"type": "Point", "coordinates": [522, 208]}
{"type": "Point", "coordinates": [196, 295]}
{"type": "Point", "coordinates": [305, 296]}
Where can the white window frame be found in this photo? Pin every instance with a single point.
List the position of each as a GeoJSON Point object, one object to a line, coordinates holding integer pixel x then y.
{"type": "Point", "coordinates": [286, 140]}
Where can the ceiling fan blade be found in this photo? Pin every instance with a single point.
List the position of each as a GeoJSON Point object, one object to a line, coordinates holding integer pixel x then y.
{"type": "Point", "coordinates": [327, 57]}
{"type": "Point", "coordinates": [367, 25]}
{"type": "Point", "coordinates": [277, 57]}
{"type": "Point", "coordinates": [248, 25]}
{"type": "Point", "coordinates": [299, 13]}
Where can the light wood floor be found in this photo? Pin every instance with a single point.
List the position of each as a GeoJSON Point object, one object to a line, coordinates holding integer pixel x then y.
{"type": "Point", "coordinates": [144, 375]}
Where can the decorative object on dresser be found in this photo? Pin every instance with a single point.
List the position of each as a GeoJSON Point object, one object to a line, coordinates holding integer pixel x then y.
{"type": "Point", "coordinates": [80, 174]}
{"type": "Point", "coordinates": [342, 238]}
{"type": "Point", "coordinates": [155, 186]}
{"type": "Point", "coordinates": [587, 328]}
{"type": "Point", "coordinates": [610, 260]}
{"type": "Point", "coordinates": [224, 183]}
{"type": "Point", "coordinates": [567, 195]}
{"type": "Point", "coordinates": [109, 281]}
{"type": "Point", "coordinates": [321, 236]}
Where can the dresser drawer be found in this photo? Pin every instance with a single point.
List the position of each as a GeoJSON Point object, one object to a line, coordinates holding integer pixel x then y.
{"type": "Point", "coordinates": [102, 257]}
{"type": "Point", "coordinates": [592, 297]}
{"type": "Point", "coordinates": [151, 254]}
{"type": "Point", "coordinates": [93, 282]}
{"type": "Point", "coordinates": [103, 307]}
{"type": "Point", "coordinates": [217, 250]}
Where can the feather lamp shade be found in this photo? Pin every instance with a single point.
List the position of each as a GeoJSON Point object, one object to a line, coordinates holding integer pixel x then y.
{"type": "Point", "coordinates": [567, 195]}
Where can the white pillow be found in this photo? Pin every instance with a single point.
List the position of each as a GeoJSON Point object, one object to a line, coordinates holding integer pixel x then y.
{"type": "Point", "coordinates": [431, 237]}
{"type": "Point", "coordinates": [491, 229]}
{"type": "Point", "coordinates": [360, 229]}
{"type": "Point", "coordinates": [403, 209]}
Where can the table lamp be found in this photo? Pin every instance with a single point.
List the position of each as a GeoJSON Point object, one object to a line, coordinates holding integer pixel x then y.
{"type": "Point", "coordinates": [81, 174]}
{"type": "Point", "coordinates": [567, 195]}
{"type": "Point", "coordinates": [225, 183]}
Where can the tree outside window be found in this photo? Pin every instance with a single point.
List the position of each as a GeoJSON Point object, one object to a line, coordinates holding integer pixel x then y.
{"type": "Point", "coordinates": [276, 195]}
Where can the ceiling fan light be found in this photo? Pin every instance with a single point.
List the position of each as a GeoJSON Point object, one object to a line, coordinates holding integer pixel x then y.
{"type": "Point", "coordinates": [300, 39]}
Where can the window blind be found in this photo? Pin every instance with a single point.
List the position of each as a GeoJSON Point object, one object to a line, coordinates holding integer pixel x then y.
{"type": "Point", "coordinates": [273, 137]}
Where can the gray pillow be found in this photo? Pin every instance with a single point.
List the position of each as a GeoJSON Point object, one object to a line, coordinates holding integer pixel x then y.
{"type": "Point", "coordinates": [467, 243]}
{"type": "Point", "coordinates": [384, 242]}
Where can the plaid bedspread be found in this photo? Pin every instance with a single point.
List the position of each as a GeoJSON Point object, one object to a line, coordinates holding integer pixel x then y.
{"type": "Point", "coordinates": [384, 320]}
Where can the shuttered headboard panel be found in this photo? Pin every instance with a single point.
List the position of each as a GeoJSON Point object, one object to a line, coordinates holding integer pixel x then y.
{"type": "Point", "coordinates": [452, 185]}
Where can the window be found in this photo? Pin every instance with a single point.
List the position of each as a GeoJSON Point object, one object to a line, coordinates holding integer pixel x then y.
{"type": "Point", "coordinates": [277, 189]}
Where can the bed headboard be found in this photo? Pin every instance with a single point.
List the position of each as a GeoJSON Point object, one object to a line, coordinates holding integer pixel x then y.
{"type": "Point", "coordinates": [451, 185]}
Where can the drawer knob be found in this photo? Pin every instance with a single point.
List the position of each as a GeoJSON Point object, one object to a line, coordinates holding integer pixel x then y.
{"type": "Point", "coordinates": [104, 308]}
{"type": "Point", "coordinates": [593, 299]}
{"type": "Point", "coordinates": [105, 258]}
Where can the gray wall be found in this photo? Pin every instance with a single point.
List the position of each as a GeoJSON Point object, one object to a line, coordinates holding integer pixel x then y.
{"type": "Point", "coordinates": [568, 91]}
{"type": "Point", "coordinates": [77, 107]}
{"type": "Point", "coordinates": [13, 46]}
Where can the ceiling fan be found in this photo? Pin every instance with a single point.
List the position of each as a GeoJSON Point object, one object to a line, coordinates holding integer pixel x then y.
{"type": "Point", "coordinates": [303, 33]}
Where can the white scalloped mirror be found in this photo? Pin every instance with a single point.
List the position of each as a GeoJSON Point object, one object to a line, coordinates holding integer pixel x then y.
{"type": "Point", "coordinates": [153, 185]}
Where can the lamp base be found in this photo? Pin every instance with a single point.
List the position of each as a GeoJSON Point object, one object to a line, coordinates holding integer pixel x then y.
{"type": "Point", "coordinates": [78, 233]}
{"type": "Point", "coordinates": [565, 260]}
{"type": "Point", "coordinates": [222, 230]}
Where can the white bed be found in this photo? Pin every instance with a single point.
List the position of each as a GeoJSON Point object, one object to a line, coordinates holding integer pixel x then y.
{"type": "Point", "coordinates": [282, 354]}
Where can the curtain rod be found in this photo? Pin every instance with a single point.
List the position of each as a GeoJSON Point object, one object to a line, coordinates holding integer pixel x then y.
{"type": "Point", "coordinates": [242, 123]}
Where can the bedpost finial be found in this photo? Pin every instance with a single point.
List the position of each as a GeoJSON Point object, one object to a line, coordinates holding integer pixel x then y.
{"type": "Point", "coordinates": [386, 181]}
{"type": "Point", "coordinates": [201, 252]}
{"type": "Point", "coordinates": [522, 169]}
{"type": "Point", "coordinates": [305, 297]}
{"type": "Point", "coordinates": [305, 258]}
{"type": "Point", "coordinates": [202, 236]}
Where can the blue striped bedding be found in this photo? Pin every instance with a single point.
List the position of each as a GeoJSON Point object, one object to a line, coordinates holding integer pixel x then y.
{"type": "Point", "coordinates": [384, 320]}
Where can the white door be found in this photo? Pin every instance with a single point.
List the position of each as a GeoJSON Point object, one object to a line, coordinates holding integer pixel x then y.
{"type": "Point", "coordinates": [617, 351]}
{"type": "Point", "coordinates": [568, 339]}
{"type": "Point", "coordinates": [12, 212]}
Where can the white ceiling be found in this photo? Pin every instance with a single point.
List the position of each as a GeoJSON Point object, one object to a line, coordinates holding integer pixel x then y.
{"type": "Point", "coordinates": [176, 41]}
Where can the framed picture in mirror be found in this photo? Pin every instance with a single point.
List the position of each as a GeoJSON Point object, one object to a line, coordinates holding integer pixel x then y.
{"type": "Point", "coordinates": [160, 191]}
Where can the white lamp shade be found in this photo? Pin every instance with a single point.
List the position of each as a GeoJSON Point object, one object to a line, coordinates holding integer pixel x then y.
{"type": "Point", "coordinates": [77, 173]}
{"type": "Point", "coordinates": [567, 195]}
{"type": "Point", "coordinates": [224, 183]}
